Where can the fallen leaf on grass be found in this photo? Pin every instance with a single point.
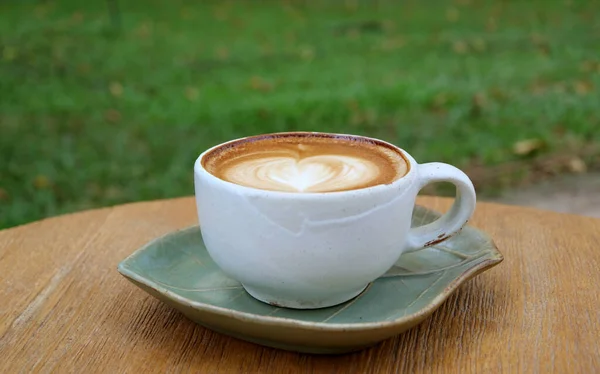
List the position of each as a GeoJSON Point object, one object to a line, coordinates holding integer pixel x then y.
{"type": "Point", "coordinates": [116, 89]}
{"type": "Point", "coordinates": [527, 146]}
{"type": "Point", "coordinates": [479, 99]}
{"type": "Point", "coordinates": [589, 66]}
{"type": "Point", "coordinates": [388, 25]}
{"type": "Point", "coordinates": [352, 33]}
{"type": "Point", "coordinates": [3, 195]}
{"type": "Point", "coordinates": [112, 115]}
{"type": "Point", "coordinates": [452, 14]}
{"type": "Point", "coordinates": [460, 47]}
{"type": "Point", "coordinates": [559, 130]}
{"type": "Point", "coordinates": [537, 39]}
{"type": "Point", "coordinates": [238, 23]}
{"type": "Point", "coordinates": [307, 53]}
{"type": "Point", "coordinates": [351, 5]}
{"type": "Point", "coordinates": [291, 37]}
{"type": "Point", "coordinates": [583, 87]}
{"type": "Point", "coordinates": [478, 103]}
{"type": "Point", "coordinates": [479, 44]}
{"type": "Point", "coordinates": [538, 87]}
{"type": "Point", "coordinates": [491, 25]}
{"type": "Point", "coordinates": [191, 93]}
{"type": "Point", "coordinates": [577, 165]}
{"type": "Point", "coordinates": [41, 182]}
{"type": "Point", "coordinates": [440, 99]}
{"type": "Point", "coordinates": [499, 95]}
{"type": "Point", "coordinates": [221, 13]}
{"type": "Point", "coordinates": [259, 84]}
{"type": "Point", "coordinates": [9, 53]}
{"type": "Point", "coordinates": [144, 30]}
{"type": "Point", "coordinates": [77, 17]}
{"type": "Point", "coordinates": [222, 53]}
{"type": "Point", "coordinates": [544, 49]}
{"type": "Point", "coordinates": [541, 43]}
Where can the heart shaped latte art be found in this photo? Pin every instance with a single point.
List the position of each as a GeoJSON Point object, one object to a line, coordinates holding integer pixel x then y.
{"type": "Point", "coordinates": [320, 173]}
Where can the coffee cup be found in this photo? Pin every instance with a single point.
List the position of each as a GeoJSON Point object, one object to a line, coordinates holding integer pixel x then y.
{"type": "Point", "coordinates": [308, 220]}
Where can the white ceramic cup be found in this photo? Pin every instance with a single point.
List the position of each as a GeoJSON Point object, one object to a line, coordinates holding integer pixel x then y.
{"type": "Point", "coordinates": [314, 250]}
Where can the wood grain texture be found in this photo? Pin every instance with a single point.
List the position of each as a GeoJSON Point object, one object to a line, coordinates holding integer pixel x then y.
{"type": "Point", "coordinates": [64, 307]}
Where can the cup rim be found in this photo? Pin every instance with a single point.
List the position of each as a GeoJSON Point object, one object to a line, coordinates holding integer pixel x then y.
{"type": "Point", "coordinates": [411, 163]}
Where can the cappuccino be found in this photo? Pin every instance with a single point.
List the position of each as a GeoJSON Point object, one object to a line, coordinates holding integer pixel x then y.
{"type": "Point", "coordinates": [306, 162]}
{"type": "Point", "coordinates": [290, 239]}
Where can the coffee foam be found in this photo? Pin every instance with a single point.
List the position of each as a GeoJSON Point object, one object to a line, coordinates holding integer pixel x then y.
{"type": "Point", "coordinates": [306, 163]}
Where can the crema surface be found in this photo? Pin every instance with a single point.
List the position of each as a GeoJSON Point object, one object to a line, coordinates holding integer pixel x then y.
{"type": "Point", "coordinates": [306, 163]}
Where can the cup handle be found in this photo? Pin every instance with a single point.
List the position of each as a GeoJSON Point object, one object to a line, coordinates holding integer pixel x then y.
{"type": "Point", "coordinates": [452, 221]}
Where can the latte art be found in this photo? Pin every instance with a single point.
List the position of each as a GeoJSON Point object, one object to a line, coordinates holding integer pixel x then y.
{"type": "Point", "coordinates": [311, 174]}
{"type": "Point", "coordinates": [306, 163]}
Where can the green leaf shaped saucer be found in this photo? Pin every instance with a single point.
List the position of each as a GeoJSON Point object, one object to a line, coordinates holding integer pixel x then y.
{"type": "Point", "coordinates": [177, 270]}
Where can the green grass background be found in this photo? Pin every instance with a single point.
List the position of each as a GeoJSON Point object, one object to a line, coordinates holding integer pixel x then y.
{"type": "Point", "coordinates": [97, 109]}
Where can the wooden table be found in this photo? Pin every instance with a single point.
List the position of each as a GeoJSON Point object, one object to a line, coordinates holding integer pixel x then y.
{"type": "Point", "coordinates": [64, 307]}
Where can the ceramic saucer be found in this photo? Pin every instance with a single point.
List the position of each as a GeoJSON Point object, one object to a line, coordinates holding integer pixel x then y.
{"type": "Point", "coordinates": [177, 270]}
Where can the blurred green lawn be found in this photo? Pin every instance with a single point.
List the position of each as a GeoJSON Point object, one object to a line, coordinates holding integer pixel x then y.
{"type": "Point", "coordinates": [95, 114]}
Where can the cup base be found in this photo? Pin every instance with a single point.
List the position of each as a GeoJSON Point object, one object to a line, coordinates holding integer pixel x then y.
{"type": "Point", "coordinates": [298, 303]}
